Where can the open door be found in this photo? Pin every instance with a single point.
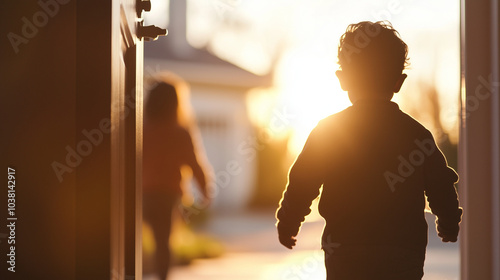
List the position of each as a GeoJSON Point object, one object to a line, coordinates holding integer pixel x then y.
{"type": "Point", "coordinates": [71, 125]}
{"type": "Point", "coordinates": [126, 141]}
{"type": "Point", "coordinates": [108, 230]}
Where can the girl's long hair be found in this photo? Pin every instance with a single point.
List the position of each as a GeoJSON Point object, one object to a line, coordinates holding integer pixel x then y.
{"type": "Point", "coordinates": [167, 100]}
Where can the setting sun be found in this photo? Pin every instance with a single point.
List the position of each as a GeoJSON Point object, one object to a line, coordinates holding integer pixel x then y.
{"type": "Point", "coordinates": [309, 88]}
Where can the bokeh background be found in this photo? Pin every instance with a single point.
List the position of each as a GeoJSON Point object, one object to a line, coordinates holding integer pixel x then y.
{"type": "Point", "coordinates": [261, 75]}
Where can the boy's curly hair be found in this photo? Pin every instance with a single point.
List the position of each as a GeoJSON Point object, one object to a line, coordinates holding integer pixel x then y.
{"type": "Point", "coordinates": [374, 51]}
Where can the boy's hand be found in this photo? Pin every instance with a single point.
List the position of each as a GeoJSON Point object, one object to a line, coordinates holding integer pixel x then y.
{"type": "Point", "coordinates": [447, 234]}
{"type": "Point", "coordinates": [287, 241]}
{"type": "Point", "coordinates": [445, 237]}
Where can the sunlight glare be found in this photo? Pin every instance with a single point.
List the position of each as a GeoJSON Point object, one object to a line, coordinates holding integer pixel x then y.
{"type": "Point", "coordinates": [310, 89]}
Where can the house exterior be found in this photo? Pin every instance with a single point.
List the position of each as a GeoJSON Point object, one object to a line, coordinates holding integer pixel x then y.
{"type": "Point", "coordinates": [218, 92]}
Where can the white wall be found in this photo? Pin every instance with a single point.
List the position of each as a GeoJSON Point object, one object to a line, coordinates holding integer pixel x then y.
{"type": "Point", "coordinates": [225, 129]}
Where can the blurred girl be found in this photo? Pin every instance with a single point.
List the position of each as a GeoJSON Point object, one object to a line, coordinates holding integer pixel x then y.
{"type": "Point", "coordinates": [168, 146]}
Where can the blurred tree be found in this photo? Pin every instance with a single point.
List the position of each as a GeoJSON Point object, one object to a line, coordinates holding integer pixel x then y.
{"type": "Point", "coordinates": [429, 111]}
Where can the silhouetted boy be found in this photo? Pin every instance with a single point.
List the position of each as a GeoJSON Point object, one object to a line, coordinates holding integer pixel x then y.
{"type": "Point", "coordinates": [376, 164]}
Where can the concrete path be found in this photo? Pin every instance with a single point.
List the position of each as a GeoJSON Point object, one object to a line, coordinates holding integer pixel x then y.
{"type": "Point", "coordinates": [254, 253]}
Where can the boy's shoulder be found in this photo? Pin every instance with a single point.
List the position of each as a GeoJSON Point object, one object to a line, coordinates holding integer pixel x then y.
{"type": "Point", "coordinates": [349, 115]}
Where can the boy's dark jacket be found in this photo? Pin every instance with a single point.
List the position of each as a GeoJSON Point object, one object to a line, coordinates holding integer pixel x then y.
{"type": "Point", "coordinates": [375, 164]}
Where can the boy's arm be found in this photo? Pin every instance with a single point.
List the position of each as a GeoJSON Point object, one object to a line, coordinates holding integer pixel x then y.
{"type": "Point", "coordinates": [304, 181]}
{"type": "Point", "coordinates": [441, 194]}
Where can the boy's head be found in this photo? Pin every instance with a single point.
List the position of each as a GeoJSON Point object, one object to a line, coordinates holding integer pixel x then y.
{"type": "Point", "coordinates": [372, 57]}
